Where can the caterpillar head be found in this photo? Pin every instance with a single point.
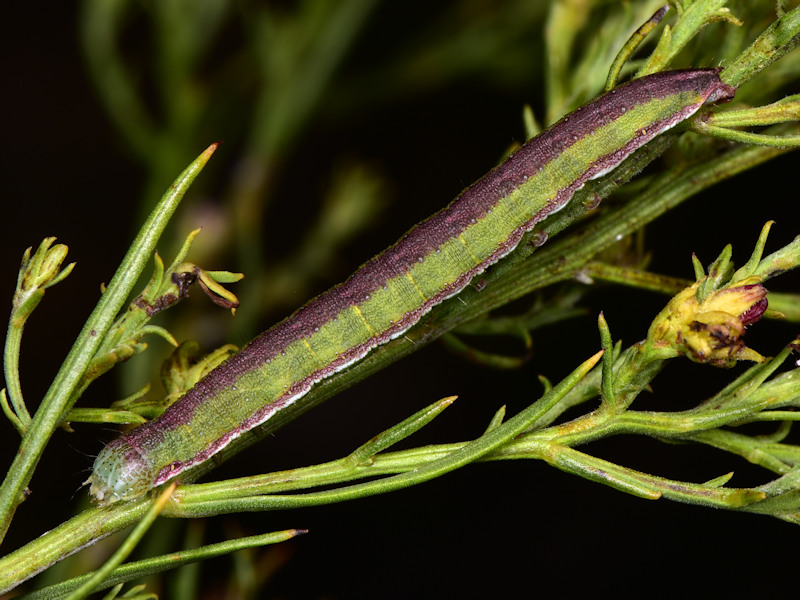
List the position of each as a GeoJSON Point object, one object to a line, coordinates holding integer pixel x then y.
{"type": "Point", "coordinates": [120, 472]}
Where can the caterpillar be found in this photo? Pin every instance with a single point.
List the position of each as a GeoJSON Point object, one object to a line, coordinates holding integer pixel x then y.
{"type": "Point", "coordinates": [391, 292]}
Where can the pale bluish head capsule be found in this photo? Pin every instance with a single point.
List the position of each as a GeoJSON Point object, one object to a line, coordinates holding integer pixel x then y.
{"type": "Point", "coordinates": [120, 472]}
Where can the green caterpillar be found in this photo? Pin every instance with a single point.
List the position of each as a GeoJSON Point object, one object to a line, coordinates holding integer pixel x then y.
{"type": "Point", "coordinates": [387, 295]}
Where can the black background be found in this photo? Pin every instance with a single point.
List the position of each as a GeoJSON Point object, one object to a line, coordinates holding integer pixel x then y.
{"type": "Point", "coordinates": [489, 529]}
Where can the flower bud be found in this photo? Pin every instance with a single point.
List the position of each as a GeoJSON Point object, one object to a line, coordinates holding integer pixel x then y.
{"type": "Point", "coordinates": [40, 271]}
{"type": "Point", "coordinates": [710, 331]}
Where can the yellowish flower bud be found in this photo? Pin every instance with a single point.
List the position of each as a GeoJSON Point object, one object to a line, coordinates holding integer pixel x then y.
{"type": "Point", "coordinates": [711, 331]}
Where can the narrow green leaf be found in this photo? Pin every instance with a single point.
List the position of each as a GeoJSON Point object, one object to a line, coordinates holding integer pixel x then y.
{"type": "Point", "coordinates": [159, 564]}
{"type": "Point", "coordinates": [402, 430]}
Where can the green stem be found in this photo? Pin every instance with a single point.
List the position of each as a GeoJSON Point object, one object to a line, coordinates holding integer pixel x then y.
{"type": "Point", "coordinates": [19, 415]}
{"type": "Point", "coordinates": [96, 523]}
{"type": "Point", "coordinates": [125, 548]}
{"type": "Point", "coordinates": [631, 45]}
{"type": "Point", "coordinates": [746, 137]}
{"type": "Point", "coordinates": [66, 539]}
{"type": "Point", "coordinates": [780, 38]}
{"type": "Point", "coordinates": [468, 453]}
{"type": "Point", "coordinates": [631, 277]}
{"type": "Point", "coordinates": [11, 413]}
{"type": "Point", "coordinates": [152, 566]}
{"type": "Point", "coordinates": [649, 486]}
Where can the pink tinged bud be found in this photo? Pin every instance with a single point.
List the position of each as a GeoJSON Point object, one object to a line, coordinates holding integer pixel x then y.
{"type": "Point", "coordinates": [748, 302]}
{"type": "Point", "coordinates": [757, 310]}
{"type": "Point", "coordinates": [719, 325]}
{"type": "Point", "coordinates": [712, 331]}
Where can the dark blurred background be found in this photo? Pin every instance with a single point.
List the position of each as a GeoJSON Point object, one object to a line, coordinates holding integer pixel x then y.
{"type": "Point", "coordinates": [490, 529]}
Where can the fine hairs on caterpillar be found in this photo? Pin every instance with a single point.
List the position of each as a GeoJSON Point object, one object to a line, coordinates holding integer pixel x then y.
{"type": "Point", "coordinates": [390, 293]}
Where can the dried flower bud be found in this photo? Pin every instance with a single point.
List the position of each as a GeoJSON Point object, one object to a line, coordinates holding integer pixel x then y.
{"type": "Point", "coordinates": [711, 331]}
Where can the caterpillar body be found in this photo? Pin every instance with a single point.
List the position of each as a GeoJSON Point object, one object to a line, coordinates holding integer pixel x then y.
{"type": "Point", "coordinates": [391, 292]}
